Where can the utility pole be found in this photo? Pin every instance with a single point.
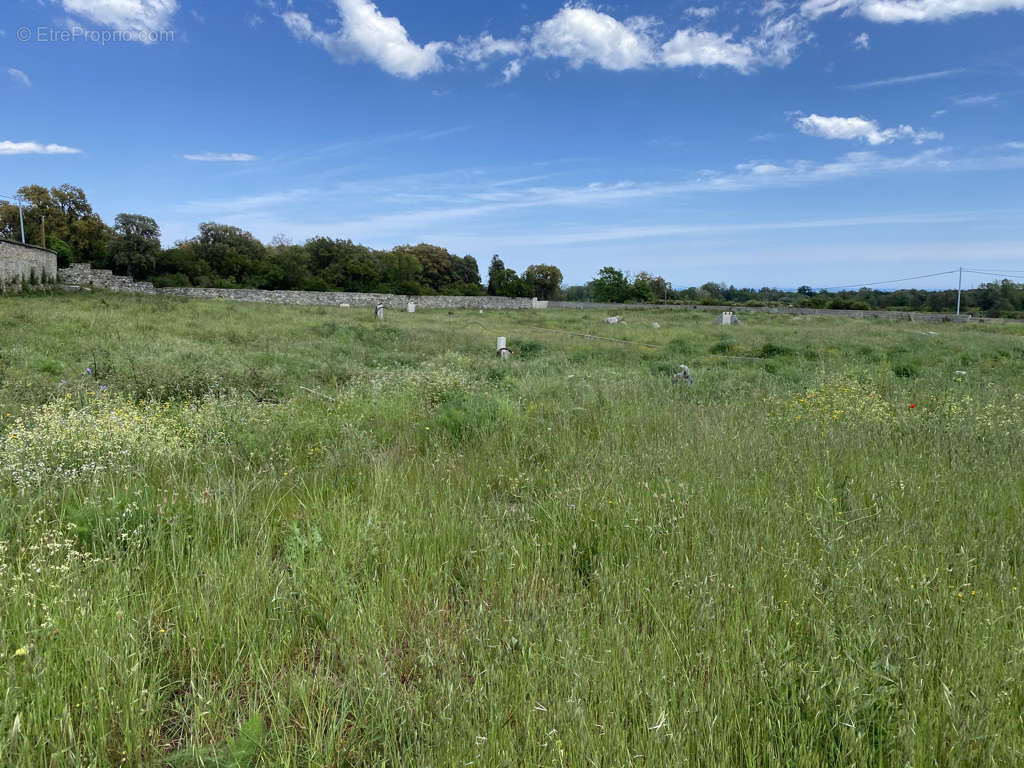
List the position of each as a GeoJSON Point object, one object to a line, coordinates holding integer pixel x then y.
{"type": "Point", "coordinates": [43, 235]}
{"type": "Point", "coordinates": [21, 220]}
{"type": "Point", "coordinates": [959, 291]}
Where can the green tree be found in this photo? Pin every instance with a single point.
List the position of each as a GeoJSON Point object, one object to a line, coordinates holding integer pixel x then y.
{"type": "Point", "coordinates": [62, 249]}
{"type": "Point", "coordinates": [68, 217]}
{"type": "Point", "coordinates": [611, 286]}
{"type": "Point", "coordinates": [544, 281]}
{"type": "Point", "coordinates": [465, 271]}
{"type": "Point", "coordinates": [650, 288]}
{"type": "Point", "coordinates": [344, 265]}
{"type": "Point", "coordinates": [231, 256]}
{"type": "Point", "coordinates": [503, 281]}
{"type": "Point", "coordinates": [400, 272]}
{"type": "Point", "coordinates": [285, 268]}
{"type": "Point", "coordinates": [436, 265]}
{"type": "Point", "coordinates": [134, 245]}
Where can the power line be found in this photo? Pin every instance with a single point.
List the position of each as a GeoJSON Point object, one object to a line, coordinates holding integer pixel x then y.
{"type": "Point", "coordinates": [889, 282]}
{"type": "Point", "coordinates": [993, 274]}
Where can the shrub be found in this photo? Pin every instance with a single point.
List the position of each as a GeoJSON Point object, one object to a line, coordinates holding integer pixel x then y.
{"type": "Point", "coordinates": [62, 249]}
{"type": "Point", "coordinates": [776, 350]}
{"type": "Point", "coordinates": [175, 280]}
{"type": "Point", "coordinates": [906, 370]}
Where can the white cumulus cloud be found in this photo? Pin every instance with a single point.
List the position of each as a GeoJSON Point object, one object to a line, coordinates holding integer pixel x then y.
{"type": "Point", "coordinates": [699, 48]}
{"type": "Point", "coordinates": [897, 11]}
{"type": "Point", "coordinates": [144, 17]}
{"type": "Point", "coordinates": [862, 41]}
{"type": "Point", "coordinates": [512, 70]}
{"type": "Point", "coordinates": [222, 157]}
{"type": "Point", "coordinates": [367, 34]}
{"type": "Point", "coordinates": [577, 34]}
{"type": "Point", "coordinates": [35, 148]}
{"type": "Point", "coordinates": [20, 76]}
{"type": "Point", "coordinates": [584, 36]}
{"type": "Point", "coordinates": [859, 128]}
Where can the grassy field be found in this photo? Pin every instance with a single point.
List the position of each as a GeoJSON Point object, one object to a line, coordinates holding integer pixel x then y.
{"type": "Point", "coordinates": [252, 535]}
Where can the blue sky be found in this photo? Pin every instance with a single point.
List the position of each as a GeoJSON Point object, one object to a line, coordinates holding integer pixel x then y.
{"type": "Point", "coordinates": [767, 143]}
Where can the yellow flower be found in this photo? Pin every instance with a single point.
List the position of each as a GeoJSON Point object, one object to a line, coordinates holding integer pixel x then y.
{"type": "Point", "coordinates": [23, 651]}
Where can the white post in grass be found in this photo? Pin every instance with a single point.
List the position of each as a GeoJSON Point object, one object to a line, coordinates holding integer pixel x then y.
{"type": "Point", "coordinates": [412, 307]}
{"type": "Point", "coordinates": [380, 312]}
{"type": "Point", "coordinates": [503, 349]}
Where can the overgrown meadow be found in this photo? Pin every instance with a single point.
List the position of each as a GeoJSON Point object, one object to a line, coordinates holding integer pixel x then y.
{"type": "Point", "coordinates": [247, 535]}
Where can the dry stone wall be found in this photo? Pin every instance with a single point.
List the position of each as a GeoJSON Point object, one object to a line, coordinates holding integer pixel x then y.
{"type": "Point", "coordinates": [84, 276]}
{"type": "Point", "coordinates": [922, 317]}
{"type": "Point", "coordinates": [25, 265]}
{"type": "Point", "coordinates": [321, 299]}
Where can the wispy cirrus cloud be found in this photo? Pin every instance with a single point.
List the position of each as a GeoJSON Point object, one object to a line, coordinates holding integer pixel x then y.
{"type": "Point", "coordinates": [423, 203]}
{"type": "Point", "coordinates": [628, 233]}
{"type": "Point", "coordinates": [20, 77]}
{"type": "Point", "coordinates": [979, 100]}
{"type": "Point", "coordinates": [35, 148]}
{"type": "Point", "coordinates": [221, 157]}
{"type": "Point", "coordinates": [905, 79]}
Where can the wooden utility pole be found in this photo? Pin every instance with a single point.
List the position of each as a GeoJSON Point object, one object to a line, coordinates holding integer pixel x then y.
{"type": "Point", "coordinates": [43, 229]}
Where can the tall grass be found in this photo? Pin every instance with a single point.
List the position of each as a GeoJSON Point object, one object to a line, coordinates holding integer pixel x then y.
{"type": "Point", "coordinates": [390, 548]}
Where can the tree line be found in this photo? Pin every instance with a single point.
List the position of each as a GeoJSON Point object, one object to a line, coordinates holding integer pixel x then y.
{"type": "Point", "coordinates": [1004, 298]}
{"type": "Point", "coordinates": [223, 256]}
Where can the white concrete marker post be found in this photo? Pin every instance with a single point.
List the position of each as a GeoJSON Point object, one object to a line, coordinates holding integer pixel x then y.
{"type": "Point", "coordinates": [503, 349]}
{"type": "Point", "coordinates": [380, 312]}
{"type": "Point", "coordinates": [412, 307]}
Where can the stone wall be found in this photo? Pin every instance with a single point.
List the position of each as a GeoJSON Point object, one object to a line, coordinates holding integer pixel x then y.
{"type": "Point", "coordinates": [922, 317]}
{"type": "Point", "coordinates": [25, 264]}
{"type": "Point", "coordinates": [328, 299]}
{"type": "Point", "coordinates": [84, 276]}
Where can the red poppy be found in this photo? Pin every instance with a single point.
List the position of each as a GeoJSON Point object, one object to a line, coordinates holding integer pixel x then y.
{"type": "Point", "coordinates": [913, 406]}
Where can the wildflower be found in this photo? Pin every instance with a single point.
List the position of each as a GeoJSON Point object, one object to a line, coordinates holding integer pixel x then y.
{"type": "Point", "coordinates": [913, 406]}
{"type": "Point", "coordinates": [23, 651]}
{"type": "Point", "coordinates": [88, 371]}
